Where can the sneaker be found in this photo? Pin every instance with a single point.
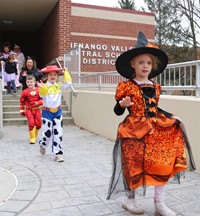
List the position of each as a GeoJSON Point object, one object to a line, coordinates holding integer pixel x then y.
{"type": "Point", "coordinates": [59, 158]}
{"type": "Point", "coordinates": [132, 206]}
{"type": "Point", "coordinates": [42, 151]}
{"type": "Point", "coordinates": [162, 210]}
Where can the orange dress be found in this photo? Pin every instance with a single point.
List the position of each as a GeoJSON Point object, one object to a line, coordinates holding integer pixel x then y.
{"type": "Point", "coordinates": [150, 144]}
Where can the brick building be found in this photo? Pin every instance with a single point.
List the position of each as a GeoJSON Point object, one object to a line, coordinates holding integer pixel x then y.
{"type": "Point", "coordinates": [101, 32]}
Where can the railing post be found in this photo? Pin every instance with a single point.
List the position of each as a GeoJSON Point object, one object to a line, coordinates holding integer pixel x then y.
{"type": "Point", "coordinates": [79, 66]}
{"type": "Point", "coordinates": [1, 108]}
{"type": "Point", "coordinates": [197, 89]}
{"type": "Point", "coordinates": [2, 77]}
{"type": "Point", "coordinates": [100, 81]}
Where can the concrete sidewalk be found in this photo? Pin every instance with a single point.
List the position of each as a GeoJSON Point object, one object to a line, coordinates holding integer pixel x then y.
{"type": "Point", "coordinates": [31, 184]}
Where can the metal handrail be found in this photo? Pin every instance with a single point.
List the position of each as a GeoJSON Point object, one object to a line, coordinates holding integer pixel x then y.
{"type": "Point", "coordinates": [2, 77]}
{"type": "Point", "coordinates": [183, 76]}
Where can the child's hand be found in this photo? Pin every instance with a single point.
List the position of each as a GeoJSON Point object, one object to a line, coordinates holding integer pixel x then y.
{"type": "Point", "coordinates": [40, 84]}
{"type": "Point", "coordinates": [24, 73]}
{"type": "Point", "coordinates": [44, 79]}
{"type": "Point", "coordinates": [23, 112]}
{"type": "Point", "coordinates": [63, 71]}
{"type": "Point", "coordinates": [125, 102]}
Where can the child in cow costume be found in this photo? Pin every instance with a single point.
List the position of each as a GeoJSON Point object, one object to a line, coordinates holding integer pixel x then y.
{"type": "Point", "coordinates": [30, 103]}
{"type": "Point", "coordinates": [51, 92]}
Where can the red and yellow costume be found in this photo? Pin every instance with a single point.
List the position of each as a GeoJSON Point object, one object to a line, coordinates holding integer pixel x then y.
{"type": "Point", "coordinates": [30, 103]}
{"type": "Point", "coordinates": [150, 145]}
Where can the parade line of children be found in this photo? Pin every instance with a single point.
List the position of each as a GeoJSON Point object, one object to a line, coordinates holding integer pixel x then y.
{"type": "Point", "coordinates": [151, 143]}
{"type": "Point", "coordinates": [46, 96]}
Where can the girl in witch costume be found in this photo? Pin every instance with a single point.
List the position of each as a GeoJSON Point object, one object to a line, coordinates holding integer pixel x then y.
{"type": "Point", "coordinates": [30, 103]}
{"type": "Point", "coordinates": [150, 144]}
{"type": "Point", "coordinates": [51, 93]}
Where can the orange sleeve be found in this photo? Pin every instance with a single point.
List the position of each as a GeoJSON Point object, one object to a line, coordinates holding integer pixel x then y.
{"type": "Point", "coordinates": [121, 91]}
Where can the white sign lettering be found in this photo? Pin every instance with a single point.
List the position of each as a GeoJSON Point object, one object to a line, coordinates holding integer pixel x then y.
{"type": "Point", "coordinates": [98, 53]}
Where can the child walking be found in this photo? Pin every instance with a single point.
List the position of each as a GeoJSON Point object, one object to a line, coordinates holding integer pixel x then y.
{"type": "Point", "coordinates": [30, 103]}
{"type": "Point", "coordinates": [51, 92]}
{"type": "Point", "coordinates": [150, 144]}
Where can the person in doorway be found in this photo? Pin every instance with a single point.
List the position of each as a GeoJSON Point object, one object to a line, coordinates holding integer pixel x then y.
{"type": "Point", "coordinates": [17, 83]}
{"type": "Point", "coordinates": [51, 93]}
{"type": "Point", "coordinates": [10, 74]}
{"type": "Point", "coordinates": [6, 51]}
{"type": "Point", "coordinates": [19, 56]}
{"type": "Point", "coordinates": [30, 103]}
{"type": "Point", "coordinates": [150, 144]}
{"type": "Point", "coordinates": [20, 61]}
{"type": "Point", "coordinates": [29, 68]}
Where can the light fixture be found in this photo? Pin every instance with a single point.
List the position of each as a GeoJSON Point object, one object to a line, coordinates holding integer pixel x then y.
{"type": "Point", "coordinates": [8, 22]}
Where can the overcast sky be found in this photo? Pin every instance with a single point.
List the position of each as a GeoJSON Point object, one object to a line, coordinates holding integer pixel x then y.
{"type": "Point", "coordinates": [108, 3]}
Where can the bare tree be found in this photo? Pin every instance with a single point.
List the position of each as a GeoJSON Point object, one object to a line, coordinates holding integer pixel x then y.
{"type": "Point", "coordinates": [168, 25]}
{"type": "Point", "coordinates": [127, 4]}
{"type": "Point", "coordinates": [190, 10]}
{"type": "Point", "coordinates": [176, 27]}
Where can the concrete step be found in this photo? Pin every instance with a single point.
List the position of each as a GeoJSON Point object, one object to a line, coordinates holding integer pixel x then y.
{"type": "Point", "coordinates": [23, 121]}
{"type": "Point", "coordinates": [16, 114]}
{"type": "Point", "coordinates": [15, 102]}
{"type": "Point", "coordinates": [11, 97]}
{"type": "Point", "coordinates": [10, 102]}
{"type": "Point", "coordinates": [15, 108]}
{"type": "Point", "coordinates": [11, 114]}
{"type": "Point", "coordinates": [11, 108]}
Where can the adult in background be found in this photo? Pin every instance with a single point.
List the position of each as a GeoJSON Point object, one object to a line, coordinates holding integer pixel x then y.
{"type": "Point", "coordinates": [19, 56]}
{"type": "Point", "coordinates": [6, 51]}
{"type": "Point", "coordinates": [29, 68]}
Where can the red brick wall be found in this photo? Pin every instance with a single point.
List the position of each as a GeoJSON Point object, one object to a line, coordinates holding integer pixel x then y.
{"type": "Point", "coordinates": [55, 32]}
{"type": "Point", "coordinates": [103, 60]}
{"type": "Point", "coordinates": [57, 35]}
{"type": "Point", "coordinates": [65, 25]}
{"type": "Point", "coordinates": [109, 27]}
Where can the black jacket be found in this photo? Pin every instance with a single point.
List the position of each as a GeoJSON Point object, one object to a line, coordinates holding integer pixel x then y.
{"type": "Point", "coordinates": [10, 67]}
{"type": "Point", "coordinates": [35, 72]}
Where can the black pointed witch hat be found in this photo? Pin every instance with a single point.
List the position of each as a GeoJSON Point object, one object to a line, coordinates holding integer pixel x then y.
{"type": "Point", "coordinates": [142, 46]}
